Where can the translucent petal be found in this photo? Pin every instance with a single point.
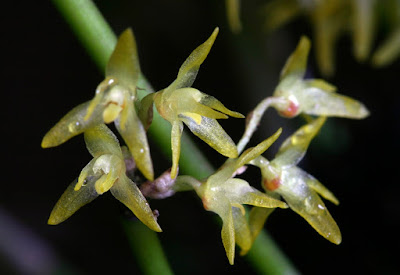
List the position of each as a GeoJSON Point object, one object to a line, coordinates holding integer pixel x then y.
{"type": "Point", "coordinates": [318, 187]}
{"type": "Point", "coordinates": [72, 124]}
{"type": "Point", "coordinates": [124, 62]}
{"type": "Point", "coordinates": [306, 202]}
{"type": "Point", "coordinates": [228, 229]}
{"type": "Point", "coordinates": [188, 71]}
{"type": "Point", "coordinates": [101, 140]}
{"type": "Point", "coordinates": [315, 101]}
{"type": "Point", "coordinates": [214, 103]}
{"type": "Point", "coordinates": [71, 200]}
{"type": "Point", "coordinates": [240, 192]}
{"type": "Point", "coordinates": [129, 194]}
{"type": "Point", "coordinates": [320, 84]}
{"type": "Point", "coordinates": [297, 62]}
{"type": "Point", "coordinates": [212, 133]}
{"type": "Point", "coordinates": [134, 135]}
{"type": "Point", "coordinates": [242, 231]}
{"type": "Point", "coordinates": [256, 151]}
{"type": "Point", "coordinates": [257, 219]}
{"type": "Point", "coordinates": [294, 147]}
{"type": "Point", "coordinates": [176, 133]}
{"type": "Point", "coordinates": [187, 100]}
{"type": "Point", "coordinates": [204, 111]}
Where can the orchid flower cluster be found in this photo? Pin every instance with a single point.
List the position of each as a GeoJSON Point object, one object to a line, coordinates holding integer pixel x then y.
{"type": "Point", "coordinates": [285, 184]}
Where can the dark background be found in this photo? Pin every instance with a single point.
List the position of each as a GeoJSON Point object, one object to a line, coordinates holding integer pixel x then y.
{"type": "Point", "coordinates": [46, 72]}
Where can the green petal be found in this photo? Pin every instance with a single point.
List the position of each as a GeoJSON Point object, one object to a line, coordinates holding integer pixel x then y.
{"type": "Point", "coordinates": [318, 187]}
{"type": "Point", "coordinates": [134, 135]}
{"type": "Point", "coordinates": [72, 124]}
{"type": "Point", "coordinates": [124, 62]}
{"type": "Point", "coordinates": [254, 152]}
{"type": "Point", "coordinates": [71, 200]}
{"type": "Point", "coordinates": [306, 202]}
{"type": "Point", "coordinates": [294, 147]}
{"type": "Point", "coordinates": [101, 140]}
{"type": "Point", "coordinates": [228, 229]}
{"type": "Point", "coordinates": [257, 219]}
{"type": "Point", "coordinates": [212, 133]}
{"type": "Point", "coordinates": [242, 231]}
{"type": "Point", "coordinates": [189, 69]}
{"type": "Point", "coordinates": [316, 101]}
{"type": "Point", "coordinates": [176, 133]}
{"type": "Point", "coordinates": [296, 64]}
{"type": "Point", "coordinates": [186, 100]}
{"type": "Point", "coordinates": [214, 103]}
{"type": "Point", "coordinates": [129, 194]}
{"type": "Point", "coordinates": [240, 192]}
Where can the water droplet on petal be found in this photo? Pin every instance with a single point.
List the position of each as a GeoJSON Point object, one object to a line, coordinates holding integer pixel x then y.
{"type": "Point", "coordinates": [74, 126]}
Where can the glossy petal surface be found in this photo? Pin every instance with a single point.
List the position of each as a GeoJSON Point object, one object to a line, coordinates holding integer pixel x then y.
{"type": "Point", "coordinates": [72, 124]}
{"type": "Point", "coordinates": [311, 96]}
{"type": "Point", "coordinates": [106, 171]}
{"type": "Point", "coordinates": [71, 200]}
{"type": "Point", "coordinates": [129, 194]}
{"type": "Point", "coordinates": [124, 62]}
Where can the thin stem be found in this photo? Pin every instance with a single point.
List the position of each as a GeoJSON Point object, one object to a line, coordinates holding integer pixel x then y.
{"type": "Point", "coordinates": [146, 247]}
{"type": "Point", "coordinates": [267, 258]}
{"type": "Point", "coordinates": [96, 36]}
{"type": "Point", "coordinates": [90, 27]}
{"type": "Point", "coordinates": [253, 120]}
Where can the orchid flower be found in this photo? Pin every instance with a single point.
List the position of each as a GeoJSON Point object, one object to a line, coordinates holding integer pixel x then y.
{"type": "Point", "coordinates": [225, 195]}
{"type": "Point", "coordinates": [282, 178]}
{"type": "Point", "coordinates": [311, 96]}
{"type": "Point", "coordinates": [105, 172]}
{"type": "Point", "coordinates": [114, 101]}
{"type": "Point", "coordinates": [179, 103]}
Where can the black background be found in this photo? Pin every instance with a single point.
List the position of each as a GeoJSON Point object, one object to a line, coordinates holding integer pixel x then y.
{"type": "Point", "coordinates": [46, 72]}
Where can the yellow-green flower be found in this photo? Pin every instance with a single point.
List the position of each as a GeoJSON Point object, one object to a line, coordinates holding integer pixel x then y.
{"type": "Point", "coordinates": [295, 95]}
{"type": "Point", "coordinates": [114, 101]}
{"type": "Point", "coordinates": [105, 172]}
{"type": "Point", "coordinates": [179, 103]}
{"type": "Point", "coordinates": [225, 196]}
{"type": "Point", "coordinates": [282, 178]}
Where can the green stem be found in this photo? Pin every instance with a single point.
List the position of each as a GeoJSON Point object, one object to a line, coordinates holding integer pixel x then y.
{"type": "Point", "coordinates": [98, 39]}
{"type": "Point", "coordinates": [146, 247]}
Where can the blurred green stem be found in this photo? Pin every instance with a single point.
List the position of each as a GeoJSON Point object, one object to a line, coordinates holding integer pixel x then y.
{"type": "Point", "coordinates": [98, 39]}
{"type": "Point", "coordinates": [146, 248]}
